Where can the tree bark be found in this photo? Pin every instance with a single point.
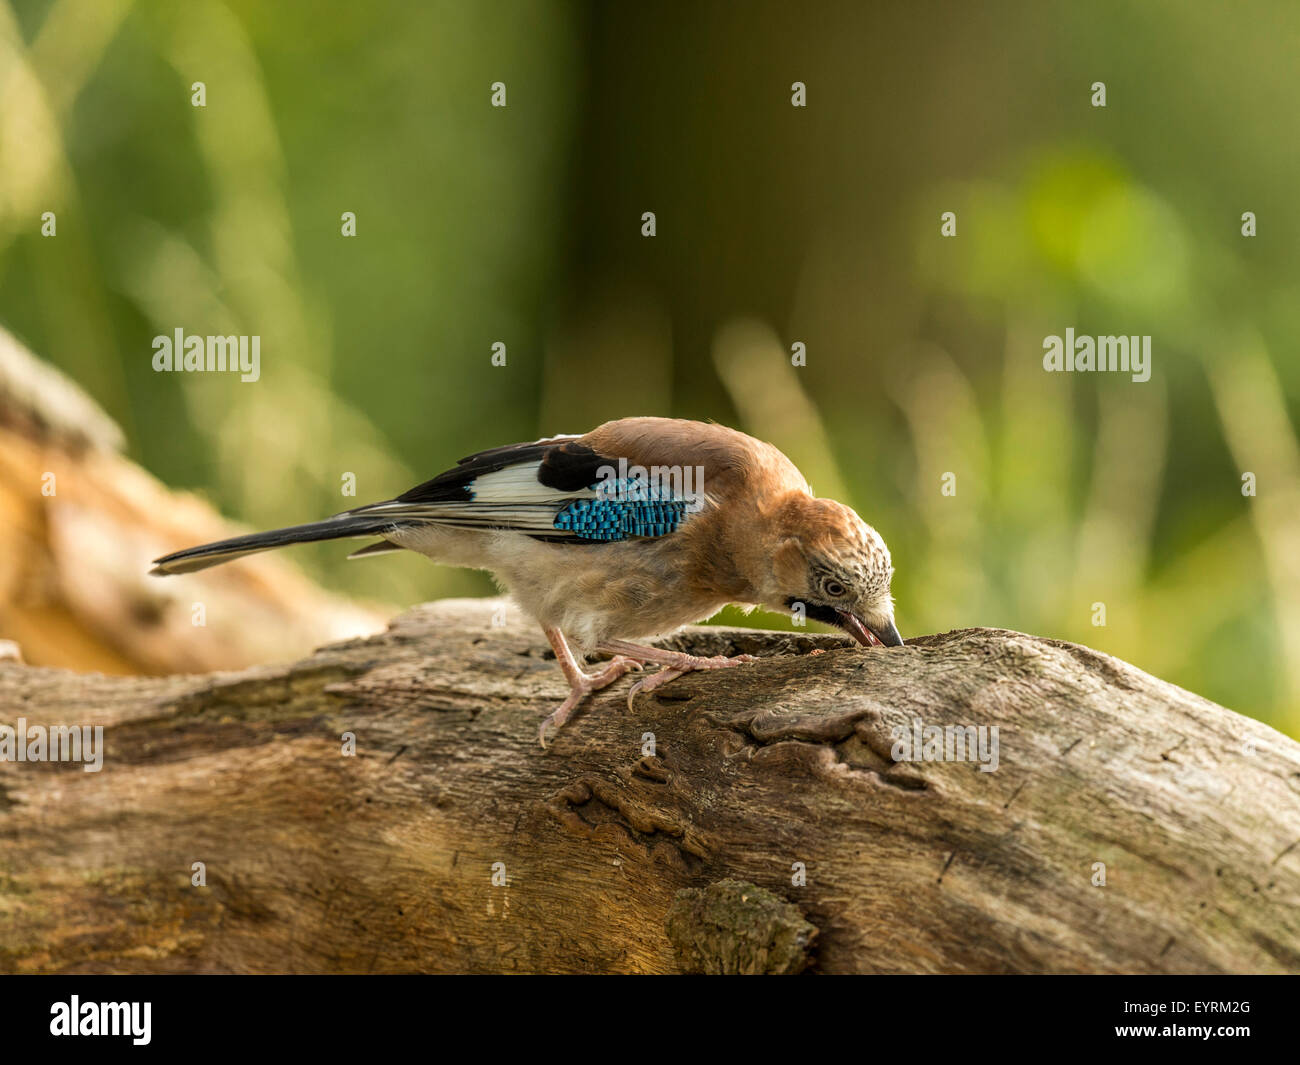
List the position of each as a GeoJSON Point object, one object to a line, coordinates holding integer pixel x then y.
{"type": "Point", "coordinates": [1129, 826]}
{"type": "Point", "coordinates": [79, 523]}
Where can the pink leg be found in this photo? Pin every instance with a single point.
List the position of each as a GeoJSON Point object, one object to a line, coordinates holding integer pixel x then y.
{"type": "Point", "coordinates": [581, 683]}
{"type": "Point", "coordinates": [675, 663]}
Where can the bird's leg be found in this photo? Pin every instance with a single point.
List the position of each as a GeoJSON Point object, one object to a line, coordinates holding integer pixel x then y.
{"type": "Point", "coordinates": [581, 683]}
{"type": "Point", "coordinates": [675, 663]}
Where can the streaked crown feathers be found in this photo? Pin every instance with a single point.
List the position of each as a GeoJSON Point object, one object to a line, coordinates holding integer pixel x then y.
{"type": "Point", "coordinates": [833, 535]}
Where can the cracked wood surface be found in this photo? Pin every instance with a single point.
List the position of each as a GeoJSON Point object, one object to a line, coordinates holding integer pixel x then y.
{"type": "Point", "coordinates": [384, 861]}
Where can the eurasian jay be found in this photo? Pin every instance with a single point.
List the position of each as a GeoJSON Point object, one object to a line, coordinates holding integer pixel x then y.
{"type": "Point", "coordinates": [631, 531]}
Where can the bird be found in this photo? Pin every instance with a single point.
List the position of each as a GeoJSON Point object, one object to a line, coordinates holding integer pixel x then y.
{"type": "Point", "coordinates": [623, 534]}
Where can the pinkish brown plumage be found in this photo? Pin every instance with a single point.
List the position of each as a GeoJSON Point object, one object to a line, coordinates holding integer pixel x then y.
{"type": "Point", "coordinates": [637, 528]}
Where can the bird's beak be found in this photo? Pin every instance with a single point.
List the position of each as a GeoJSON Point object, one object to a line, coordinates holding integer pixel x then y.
{"type": "Point", "coordinates": [867, 636]}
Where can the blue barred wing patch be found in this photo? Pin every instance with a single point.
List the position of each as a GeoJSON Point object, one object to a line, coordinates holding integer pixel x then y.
{"type": "Point", "coordinates": [622, 509]}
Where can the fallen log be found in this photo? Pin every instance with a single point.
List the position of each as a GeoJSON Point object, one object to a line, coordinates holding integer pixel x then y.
{"type": "Point", "coordinates": [1128, 826]}
{"type": "Point", "coordinates": [79, 520]}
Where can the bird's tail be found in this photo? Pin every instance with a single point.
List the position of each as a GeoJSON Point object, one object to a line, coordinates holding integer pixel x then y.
{"type": "Point", "coordinates": [340, 527]}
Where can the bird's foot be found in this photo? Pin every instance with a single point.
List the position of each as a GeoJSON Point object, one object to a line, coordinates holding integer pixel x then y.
{"type": "Point", "coordinates": [675, 663]}
{"type": "Point", "coordinates": [582, 686]}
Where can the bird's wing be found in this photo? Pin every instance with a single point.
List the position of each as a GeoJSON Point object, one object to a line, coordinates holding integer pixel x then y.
{"type": "Point", "coordinates": [559, 489]}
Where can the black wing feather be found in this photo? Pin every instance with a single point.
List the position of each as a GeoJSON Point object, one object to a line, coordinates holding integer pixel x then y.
{"type": "Point", "coordinates": [565, 465]}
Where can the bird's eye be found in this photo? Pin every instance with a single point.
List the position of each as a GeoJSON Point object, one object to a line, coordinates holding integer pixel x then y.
{"type": "Point", "coordinates": [833, 588]}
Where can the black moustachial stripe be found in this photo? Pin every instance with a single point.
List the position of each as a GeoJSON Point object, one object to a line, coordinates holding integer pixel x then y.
{"type": "Point", "coordinates": [818, 612]}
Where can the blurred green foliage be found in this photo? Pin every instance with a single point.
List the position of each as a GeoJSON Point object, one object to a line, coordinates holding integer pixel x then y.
{"type": "Point", "coordinates": [775, 224]}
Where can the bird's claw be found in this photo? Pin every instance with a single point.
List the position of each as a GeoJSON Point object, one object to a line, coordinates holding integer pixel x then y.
{"type": "Point", "coordinates": [684, 664]}
{"type": "Point", "coordinates": [673, 667]}
{"type": "Point", "coordinates": [559, 716]}
{"type": "Point", "coordinates": [591, 682]}
{"type": "Point", "coordinates": [650, 683]}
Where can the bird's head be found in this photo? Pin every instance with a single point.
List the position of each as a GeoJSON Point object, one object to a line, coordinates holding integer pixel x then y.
{"type": "Point", "coordinates": [835, 565]}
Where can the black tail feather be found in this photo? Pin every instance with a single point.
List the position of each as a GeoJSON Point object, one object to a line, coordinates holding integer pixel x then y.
{"type": "Point", "coordinates": [342, 527]}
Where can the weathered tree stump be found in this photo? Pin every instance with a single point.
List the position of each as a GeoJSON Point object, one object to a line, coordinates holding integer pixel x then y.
{"type": "Point", "coordinates": [384, 861]}
{"type": "Point", "coordinates": [79, 522]}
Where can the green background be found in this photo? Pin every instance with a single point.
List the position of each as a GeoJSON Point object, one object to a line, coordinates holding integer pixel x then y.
{"type": "Point", "coordinates": [775, 225]}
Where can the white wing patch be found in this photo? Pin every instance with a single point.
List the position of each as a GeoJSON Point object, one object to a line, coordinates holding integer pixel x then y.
{"type": "Point", "coordinates": [509, 498]}
{"type": "Point", "coordinates": [513, 498]}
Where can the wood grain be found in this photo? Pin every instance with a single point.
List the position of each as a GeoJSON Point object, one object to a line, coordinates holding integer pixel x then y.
{"type": "Point", "coordinates": [383, 861]}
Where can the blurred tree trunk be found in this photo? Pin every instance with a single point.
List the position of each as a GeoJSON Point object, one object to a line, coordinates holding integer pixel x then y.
{"type": "Point", "coordinates": [1129, 826]}
{"type": "Point", "coordinates": [79, 524]}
